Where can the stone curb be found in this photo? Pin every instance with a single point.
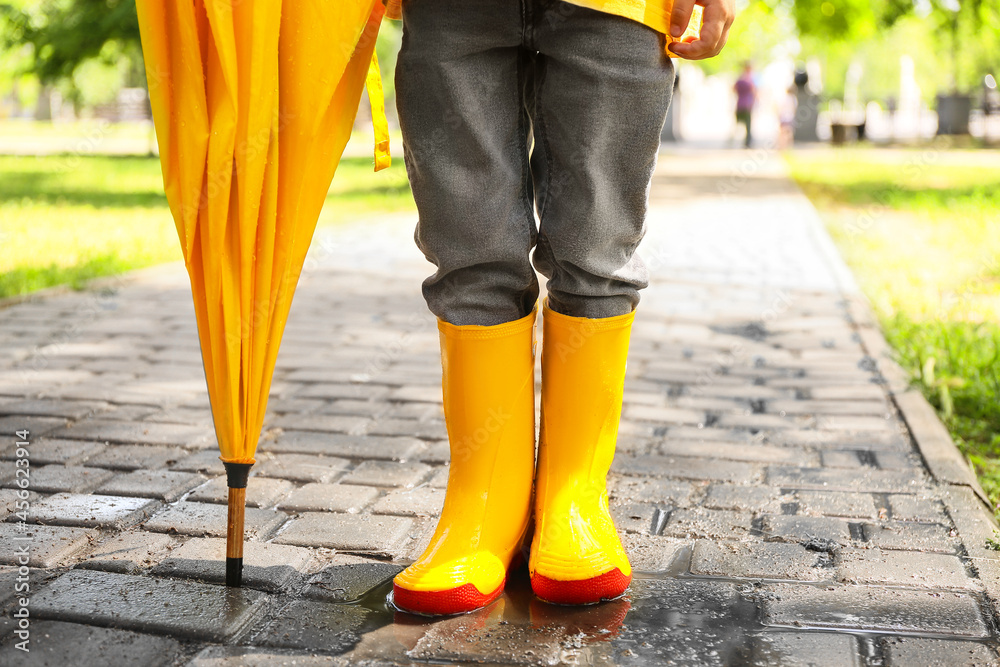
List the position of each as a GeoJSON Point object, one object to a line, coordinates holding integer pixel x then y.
{"type": "Point", "coordinates": [939, 451]}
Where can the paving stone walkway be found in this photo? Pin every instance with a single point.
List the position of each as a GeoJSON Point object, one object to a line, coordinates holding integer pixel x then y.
{"type": "Point", "coordinates": [784, 498]}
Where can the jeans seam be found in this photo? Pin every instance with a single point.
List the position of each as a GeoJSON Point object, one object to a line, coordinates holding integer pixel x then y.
{"type": "Point", "coordinates": [526, 201]}
{"type": "Point", "coordinates": [544, 136]}
{"type": "Point", "coordinates": [524, 21]}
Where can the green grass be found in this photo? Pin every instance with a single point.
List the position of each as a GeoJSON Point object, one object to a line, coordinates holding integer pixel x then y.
{"type": "Point", "coordinates": [67, 219]}
{"type": "Point", "coordinates": [921, 231]}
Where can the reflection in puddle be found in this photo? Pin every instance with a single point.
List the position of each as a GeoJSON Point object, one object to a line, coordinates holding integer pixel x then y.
{"type": "Point", "coordinates": [659, 621]}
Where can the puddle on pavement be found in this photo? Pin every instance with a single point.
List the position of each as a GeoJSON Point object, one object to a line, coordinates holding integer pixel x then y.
{"type": "Point", "coordinates": [663, 620]}
{"type": "Point", "coordinates": [659, 621]}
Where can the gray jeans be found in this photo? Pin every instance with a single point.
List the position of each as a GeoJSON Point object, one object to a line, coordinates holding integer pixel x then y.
{"type": "Point", "coordinates": [508, 107]}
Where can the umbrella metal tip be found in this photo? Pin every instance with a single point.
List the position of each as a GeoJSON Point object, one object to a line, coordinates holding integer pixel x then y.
{"type": "Point", "coordinates": [234, 572]}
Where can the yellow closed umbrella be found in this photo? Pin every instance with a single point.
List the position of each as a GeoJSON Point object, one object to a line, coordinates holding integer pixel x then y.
{"type": "Point", "coordinates": [253, 104]}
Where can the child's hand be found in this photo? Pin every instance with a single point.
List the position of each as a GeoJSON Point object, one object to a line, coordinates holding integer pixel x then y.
{"type": "Point", "coordinates": [718, 17]}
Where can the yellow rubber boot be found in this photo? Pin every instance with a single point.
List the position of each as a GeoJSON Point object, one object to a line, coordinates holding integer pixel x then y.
{"type": "Point", "coordinates": [489, 408]}
{"type": "Point", "coordinates": [576, 554]}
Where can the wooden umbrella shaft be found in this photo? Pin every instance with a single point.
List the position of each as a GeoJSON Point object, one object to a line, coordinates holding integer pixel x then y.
{"type": "Point", "coordinates": [234, 537]}
{"type": "Point", "coordinates": [237, 475]}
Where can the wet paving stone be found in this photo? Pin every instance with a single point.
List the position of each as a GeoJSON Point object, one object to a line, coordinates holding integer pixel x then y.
{"type": "Point", "coordinates": [346, 532]}
{"type": "Point", "coordinates": [141, 457]}
{"type": "Point", "coordinates": [66, 452]}
{"type": "Point", "coordinates": [482, 637]}
{"type": "Point", "coordinates": [346, 579]}
{"type": "Point", "coordinates": [806, 649]}
{"type": "Point", "coordinates": [387, 473]}
{"type": "Point", "coordinates": [348, 446]}
{"type": "Point", "coordinates": [439, 480]}
{"type": "Point", "coordinates": [435, 453]}
{"type": "Point", "coordinates": [65, 479]}
{"type": "Point", "coordinates": [204, 461]}
{"type": "Point", "coordinates": [54, 408]}
{"type": "Point", "coordinates": [421, 501]}
{"type": "Point", "coordinates": [249, 656]}
{"type": "Point", "coordinates": [916, 508]}
{"type": "Point", "coordinates": [910, 537]}
{"type": "Point", "coordinates": [178, 415]}
{"type": "Point", "coordinates": [350, 406]}
{"type": "Point", "coordinates": [208, 520]}
{"type": "Point", "coordinates": [683, 622]}
{"type": "Point", "coordinates": [185, 610]}
{"type": "Point", "coordinates": [902, 568]}
{"type": "Point", "coordinates": [129, 433]}
{"type": "Point", "coordinates": [759, 560]}
{"type": "Point", "coordinates": [663, 415]}
{"type": "Point", "coordinates": [322, 423]}
{"type": "Point", "coordinates": [701, 522]}
{"type": "Point", "coordinates": [416, 393]}
{"type": "Point", "coordinates": [343, 390]}
{"type": "Point", "coordinates": [823, 479]}
{"type": "Point", "coordinates": [48, 546]}
{"type": "Point", "coordinates": [646, 518]}
{"type": "Point", "coordinates": [124, 413]}
{"type": "Point", "coordinates": [836, 503]}
{"type": "Point", "coordinates": [329, 498]}
{"type": "Point", "coordinates": [665, 491]}
{"type": "Point", "coordinates": [425, 430]}
{"type": "Point", "coordinates": [419, 411]}
{"type": "Point", "coordinates": [873, 609]}
{"type": "Point", "coordinates": [8, 500]}
{"type": "Point", "coordinates": [302, 468]}
{"type": "Point", "coordinates": [57, 644]}
{"type": "Point", "coordinates": [684, 467]}
{"type": "Point", "coordinates": [8, 580]}
{"type": "Point", "coordinates": [266, 566]}
{"type": "Point", "coordinates": [261, 491]}
{"type": "Point", "coordinates": [805, 528]}
{"type": "Point", "coordinates": [743, 498]}
{"type": "Point", "coordinates": [907, 651]}
{"type": "Point", "coordinates": [91, 510]}
{"type": "Point", "coordinates": [314, 626]}
{"type": "Point", "coordinates": [35, 425]}
{"type": "Point", "coordinates": [128, 553]}
{"type": "Point", "coordinates": [738, 452]}
{"type": "Point", "coordinates": [653, 554]}
{"type": "Point", "coordinates": [841, 459]}
{"type": "Point", "coordinates": [165, 485]}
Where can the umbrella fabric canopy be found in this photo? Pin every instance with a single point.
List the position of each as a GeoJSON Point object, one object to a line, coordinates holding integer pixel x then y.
{"type": "Point", "coordinates": [253, 104]}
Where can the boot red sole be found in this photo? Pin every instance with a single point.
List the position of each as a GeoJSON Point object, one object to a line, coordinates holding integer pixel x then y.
{"type": "Point", "coordinates": [458, 600]}
{"type": "Point", "coordinates": [581, 591]}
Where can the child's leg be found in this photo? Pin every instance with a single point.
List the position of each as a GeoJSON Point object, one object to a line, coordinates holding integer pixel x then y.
{"type": "Point", "coordinates": [466, 135]}
{"type": "Point", "coordinates": [465, 132]}
{"type": "Point", "coordinates": [602, 87]}
{"type": "Point", "coordinates": [601, 95]}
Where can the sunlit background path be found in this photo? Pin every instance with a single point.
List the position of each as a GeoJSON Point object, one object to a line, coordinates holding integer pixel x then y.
{"type": "Point", "coordinates": [785, 499]}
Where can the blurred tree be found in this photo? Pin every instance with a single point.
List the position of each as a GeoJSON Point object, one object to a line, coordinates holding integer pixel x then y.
{"type": "Point", "coordinates": [837, 20]}
{"type": "Point", "coordinates": [968, 31]}
{"type": "Point", "coordinates": [65, 33]}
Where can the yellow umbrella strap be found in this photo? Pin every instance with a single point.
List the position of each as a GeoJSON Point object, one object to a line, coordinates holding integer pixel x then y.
{"type": "Point", "coordinates": [376, 97]}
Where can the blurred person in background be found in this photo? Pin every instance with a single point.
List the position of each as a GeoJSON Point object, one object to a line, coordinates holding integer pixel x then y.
{"type": "Point", "coordinates": [746, 97]}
